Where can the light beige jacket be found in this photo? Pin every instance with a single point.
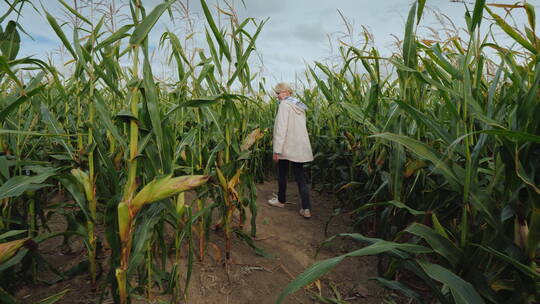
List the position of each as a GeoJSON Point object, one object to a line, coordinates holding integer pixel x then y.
{"type": "Point", "coordinates": [291, 139]}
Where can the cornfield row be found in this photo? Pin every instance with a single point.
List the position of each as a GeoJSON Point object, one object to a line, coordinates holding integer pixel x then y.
{"type": "Point", "coordinates": [439, 159]}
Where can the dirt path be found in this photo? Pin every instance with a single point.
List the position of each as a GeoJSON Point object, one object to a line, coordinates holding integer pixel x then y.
{"type": "Point", "coordinates": [293, 240]}
{"type": "Point", "coordinates": [283, 233]}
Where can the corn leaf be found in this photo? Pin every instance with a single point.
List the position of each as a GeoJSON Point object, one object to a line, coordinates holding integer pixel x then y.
{"type": "Point", "coordinates": [409, 41]}
{"type": "Point", "coordinates": [6, 68]}
{"type": "Point", "coordinates": [439, 243]}
{"type": "Point", "coordinates": [60, 33]}
{"type": "Point", "coordinates": [17, 185]}
{"type": "Point", "coordinates": [520, 266]}
{"type": "Point", "coordinates": [10, 41]}
{"type": "Point", "coordinates": [477, 14]}
{"type": "Point", "coordinates": [143, 28]}
{"type": "Point", "coordinates": [421, 5]}
{"type": "Point", "coordinates": [320, 268]}
{"type": "Point", "coordinates": [54, 298]}
{"type": "Point", "coordinates": [55, 127]}
{"type": "Point", "coordinates": [152, 103]}
{"type": "Point", "coordinates": [398, 286]}
{"type": "Point", "coordinates": [507, 28]}
{"type": "Point", "coordinates": [426, 152]}
{"type": "Point", "coordinates": [217, 34]}
{"type": "Point", "coordinates": [18, 101]}
{"type": "Point", "coordinates": [463, 292]}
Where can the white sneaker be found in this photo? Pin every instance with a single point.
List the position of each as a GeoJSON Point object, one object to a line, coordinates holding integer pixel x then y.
{"type": "Point", "coordinates": [305, 213]}
{"type": "Point", "coordinates": [275, 196]}
{"type": "Point", "coordinates": [274, 202]}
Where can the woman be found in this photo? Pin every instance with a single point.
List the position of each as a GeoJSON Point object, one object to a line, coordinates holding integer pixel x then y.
{"type": "Point", "coordinates": [291, 146]}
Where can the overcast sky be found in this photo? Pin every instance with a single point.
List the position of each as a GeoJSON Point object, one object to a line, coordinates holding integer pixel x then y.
{"type": "Point", "coordinates": [298, 31]}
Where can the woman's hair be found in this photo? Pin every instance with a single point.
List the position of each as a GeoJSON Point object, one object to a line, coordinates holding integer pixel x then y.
{"type": "Point", "coordinates": [283, 87]}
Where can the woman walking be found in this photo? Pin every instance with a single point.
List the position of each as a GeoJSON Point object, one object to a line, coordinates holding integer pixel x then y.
{"type": "Point", "coordinates": [291, 146]}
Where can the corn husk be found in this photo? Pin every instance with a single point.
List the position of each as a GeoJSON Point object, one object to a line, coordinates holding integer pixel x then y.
{"type": "Point", "coordinates": [164, 187]}
{"type": "Point", "coordinates": [8, 249]}
{"type": "Point", "coordinates": [533, 235]}
{"type": "Point", "coordinates": [83, 178]}
{"type": "Point", "coordinates": [221, 178]}
{"type": "Point", "coordinates": [251, 139]}
{"type": "Point", "coordinates": [235, 180]}
{"type": "Point", "coordinates": [124, 220]}
{"type": "Point", "coordinates": [181, 204]}
{"type": "Point", "coordinates": [413, 166]}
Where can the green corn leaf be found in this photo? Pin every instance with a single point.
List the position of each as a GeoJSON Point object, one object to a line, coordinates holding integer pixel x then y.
{"type": "Point", "coordinates": [5, 164]}
{"type": "Point", "coordinates": [106, 119]}
{"type": "Point", "coordinates": [188, 140]}
{"type": "Point", "coordinates": [29, 133]}
{"type": "Point", "coordinates": [439, 243]}
{"type": "Point", "coordinates": [205, 101]}
{"type": "Point", "coordinates": [248, 240]}
{"type": "Point", "coordinates": [320, 268]}
{"type": "Point", "coordinates": [213, 52]}
{"type": "Point", "coordinates": [191, 249]}
{"type": "Point", "coordinates": [314, 272]}
{"type": "Point", "coordinates": [60, 33]}
{"type": "Point", "coordinates": [6, 68]}
{"type": "Point", "coordinates": [463, 292]}
{"type": "Point", "coordinates": [10, 41]}
{"type": "Point", "coordinates": [398, 286]}
{"type": "Point", "coordinates": [217, 34]}
{"type": "Point", "coordinates": [438, 226]}
{"type": "Point", "coordinates": [77, 192]}
{"type": "Point", "coordinates": [356, 113]}
{"type": "Point", "coordinates": [513, 135]}
{"type": "Point", "coordinates": [74, 12]}
{"type": "Point", "coordinates": [444, 63]}
{"type": "Point", "coordinates": [143, 28]}
{"type": "Point", "coordinates": [242, 61]}
{"type": "Point", "coordinates": [143, 234]}
{"type": "Point", "coordinates": [531, 15]}
{"type": "Point", "coordinates": [95, 33]}
{"type": "Point", "coordinates": [55, 127]}
{"type": "Point", "coordinates": [12, 8]}
{"type": "Point", "coordinates": [507, 28]}
{"type": "Point", "coordinates": [421, 5]}
{"type": "Point", "coordinates": [178, 51]}
{"type": "Point", "coordinates": [425, 152]}
{"type": "Point", "coordinates": [321, 85]}
{"type": "Point", "coordinates": [54, 298]}
{"type": "Point", "coordinates": [116, 36]}
{"type": "Point", "coordinates": [152, 103]}
{"type": "Point", "coordinates": [18, 101]}
{"type": "Point", "coordinates": [82, 53]}
{"type": "Point", "coordinates": [527, 270]}
{"type": "Point", "coordinates": [11, 233]}
{"type": "Point", "coordinates": [422, 118]}
{"type": "Point", "coordinates": [110, 83]}
{"type": "Point", "coordinates": [396, 204]}
{"type": "Point", "coordinates": [409, 41]}
{"type": "Point", "coordinates": [17, 185]}
{"type": "Point", "coordinates": [477, 14]}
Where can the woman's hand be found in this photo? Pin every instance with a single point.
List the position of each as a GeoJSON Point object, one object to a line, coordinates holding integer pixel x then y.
{"type": "Point", "coordinates": [275, 158]}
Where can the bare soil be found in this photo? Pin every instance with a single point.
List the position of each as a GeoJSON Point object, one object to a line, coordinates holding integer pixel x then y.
{"type": "Point", "coordinates": [250, 278]}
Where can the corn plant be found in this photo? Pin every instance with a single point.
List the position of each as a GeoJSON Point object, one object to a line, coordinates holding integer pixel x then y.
{"type": "Point", "coordinates": [446, 172]}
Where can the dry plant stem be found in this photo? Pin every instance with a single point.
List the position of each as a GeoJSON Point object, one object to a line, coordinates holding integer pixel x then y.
{"type": "Point", "coordinates": [286, 271]}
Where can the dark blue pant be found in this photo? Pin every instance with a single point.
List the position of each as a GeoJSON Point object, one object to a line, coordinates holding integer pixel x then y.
{"type": "Point", "coordinates": [298, 171]}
